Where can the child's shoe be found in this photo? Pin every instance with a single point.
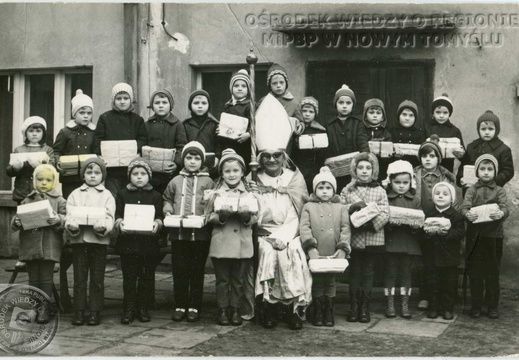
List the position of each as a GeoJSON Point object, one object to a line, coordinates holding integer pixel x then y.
{"type": "Point", "coordinates": [269, 319]}
{"type": "Point", "coordinates": [328, 311]}
{"type": "Point", "coordinates": [79, 318]}
{"type": "Point", "coordinates": [447, 315]}
{"type": "Point", "coordinates": [295, 322]}
{"type": "Point", "coordinates": [423, 304]}
{"type": "Point", "coordinates": [353, 315]}
{"type": "Point", "coordinates": [364, 315]}
{"type": "Point", "coordinates": [318, 311]}
{"type": "Point", "coordinates": [222, 319]}
{"type": "Point", "coordinates": [192, 315]}
{"type": "Point", "coordinates": [143, 315]}
{"type": "Point", "coordinates": [493, 313]}
{"type": "Point", "coordinates": [235, 317]}
{"type": "Point", "coordinates": [128, 316]}
{"type": "Point", "coordinates": [406, 294]}
{"type": "Point", "coordinates": [475, 313]}
{"type": "Point", "coordinates": [179, 314]}
{"type": "Point", "coordinates": [390, 302]}
{"type": "Point", "coordinates": [94, 319]}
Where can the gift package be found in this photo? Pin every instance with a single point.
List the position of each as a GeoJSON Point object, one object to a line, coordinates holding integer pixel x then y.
{"type": "Point", "coordinates": [313, 141]}
{"type": "Point", "coordinates": [404, 216]}
{"type": "Point", "coordinates": [469, 175]}
{"type": "Point", "coordinates": [158, 158]}
{"type": "Point", "coordinates": [436, 224]}
{"type": "Point", "coordinates": [33, 158]}
{"type": "Point", "coordinates": [139, 219]}
{"type": "Point", "coordinates": [336, 266]}
{"type": "Point", "coordinates": [365, 214]}
{"type": "Point", "coordinates": [483, 212]}
{"type": "Point", "coordinates": [447, 145]}
{"type": "Point", "coordinates": [191, 221]}
{"type": "Point", "coordinates": [118, 153]}
{"type": "Point", "coordinates": [406, 149]}
{"type": "Point", "coordinates": [250, 201]}
{"type": "Point", "coordinates": [71, 164]}
{"type": "Point", "coordinates": [383, 149]}
{"type": "Point", "coordinates": [34, 215]}
{"type": "Point", "coordinates": [232, 125]}
{"type": "Point", "coordinates": [340, 165]}
{"type": "Point", "coordinates": [87, 215]}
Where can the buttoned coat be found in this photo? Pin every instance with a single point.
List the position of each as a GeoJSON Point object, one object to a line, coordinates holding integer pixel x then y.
{"type": "Point", "coordinates": [403, 238]}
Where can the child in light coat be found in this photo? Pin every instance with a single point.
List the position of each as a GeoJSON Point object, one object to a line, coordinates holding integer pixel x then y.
{"type": "Point", "coordinates": [325, 232]}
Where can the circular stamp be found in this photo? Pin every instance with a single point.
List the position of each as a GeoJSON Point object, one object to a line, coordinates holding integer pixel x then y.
{"type": "Point", "coordinates": [19, 331]}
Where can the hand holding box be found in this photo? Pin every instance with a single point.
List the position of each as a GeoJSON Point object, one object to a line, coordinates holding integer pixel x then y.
{"type": "Point", "coordinates": [86, 215]}
{"type": "Point", "coordinates": [33, 158]}
{"type": "Point", "coordinates": [231, 126]}
{"type": "Point", "coordinates": [364, 215]}
{"type": "Point", "coordinates": [35, 215]}
{"type": "Point", "coordinates": [383, 149]}
{"type": "Point", "coordinates": [118, 153]}
{"type": "Point", "coordinates": [404, 216]}
{"type": "Point", "coordinates": [334, 266]}
{"type": "Point", "coordinates": [483, 212]}
{"type": "Point", "coordinates": [139, 219]}
{"type": "Point", "coordinates": [437, 224]}
{"type": "Point", "coordinates": [313, 141]}
{"type": "Point", "coordinates": [191, 221]}
{"type": "Point", "coordinates": [469, 175]}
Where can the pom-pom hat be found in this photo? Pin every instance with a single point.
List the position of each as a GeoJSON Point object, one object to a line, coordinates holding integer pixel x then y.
{"type": "Point", "coordinates": [309, 100]}
{"type": "Point", "coordinates": [443, 101]}
{"type": "Point", "coordinates": [81, 100]}
{"type": "Point", "coordinates": [196, 147]}
{"type": "Point", "coordinates": [122, 88]}
{"type": "Point", "coordinates": [344, 91]}
{"type": "Point", "coordinates": [240, 75]}
{"type": "Point", "coordinates": [230, 155]}
{"type": "Point", "coordinates": [325, 175]}
{"type": "Point", "coordinates": [489, 116]}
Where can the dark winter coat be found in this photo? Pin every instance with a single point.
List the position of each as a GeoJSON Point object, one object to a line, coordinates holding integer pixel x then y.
{"type": "Point", "coordinates": [346, 138]}
{"type": "Point", "coordinates": [136, 244]}
{"type": "Point", "coordinates": [403, 238]}
{"type": "Point", "coordinates": [445, 130]}
{"type": "Point", "coordinates": [498, 149]}
{"type": "Point", "coordinates": [425, 181]}
{"type": "Point", "coordinates": [44, 243]}
{"type": "Point", "coordinates": [23, 184]}
{"type": "Point", "coordinates": [243, 149]}
{"type": "Point", "coordinates": [411, 135]}
{"type": "Point", "coordinates": [204, 132]}
{"type": "Point", "coordinates": [116, 125]}
{"type": "Point", "coordinates": [444, 250]}
{"type": "Point", "coordinates": [325, 225]}
{"type": "Point", "coordinates": [379, 133]}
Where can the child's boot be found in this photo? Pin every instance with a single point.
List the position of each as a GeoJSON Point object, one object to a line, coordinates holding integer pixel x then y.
{"type": "Point", "coordinates": [476, 296]}
{"type": "Point", "coordinates": [94, 319]}
{"type": "Point", "coordinates": [222, 319]}
{"type": "Point", "coordinates": [318, 311]}
{"type": "Point", "coordinates": [390, 302]}
{"type": "Point", "coordinates": [128, 315]}
{"type": "Point", "coordinates": [79, 318]}
{"type": "Point", "coordinates": [143, 314]}
{"type": "Point", "coordinates": [269, 320]}
{"type": "Point", "coordinates": [328, 311]}
{"type": "Point", "coordinates": [364, 315]}
{"type": "Point", "coordinates": [353, 315]}
{"type": "Point", "coordinates": [234, 316]}
{"type": "Point", "coordinates": [406, 294]}
{"type": "Point", "coordinates": [432, 310]}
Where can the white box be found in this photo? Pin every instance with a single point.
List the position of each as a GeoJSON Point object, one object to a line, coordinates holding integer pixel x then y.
{"type": "Point", "coordinates": [437, 223]}
{"type": "Point", "coordinates": [33, 158]}
{"type": "Point", "coordinates": [71, 164]}
{"type": "Point", "coordinates": [365, 214]}
{"type": "Point", "coordinates": [139, 219]}
{"type": "Point", "coordinates": [221, 201]}
{"type": "Point", "coordinates": [483, 212]}
{"type": "Point", "coordinates": [335, 266]}
{"type": "Point", "coordinates": [34, 215]}
{"type": "Point", "coordinates": [118, 153]}
{"type": "Point", "coordinates": [383, 149]}
{"type": "Point", "coordinates": [469, 175]}
{"type": "Point", "coordinates": [447, 145]}
{"type": "Point", "coordinates": [191, 221]}
{"type": "Point", "coordinates": [232, 125]}
{"type": "Point", "coordinates": [251, 202]}
{"type": "Point", "coordinates": [404, 216]}
{"type": "Point", "coordinates": [406, 149]}
{"type": "Point", "coordinates": [87, 215]}
{"type": "Point", "coordinates": [313, 141]}
{"type": "Point", "coordinates": [158, 158]}
{"type": "Point", "coordinates": [340, 165]}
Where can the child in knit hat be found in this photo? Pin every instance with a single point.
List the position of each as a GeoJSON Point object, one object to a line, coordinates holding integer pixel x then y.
{"type": "Point", "coordinates": [34, 132]}
{"type": "Point", "coordinates": [402, 241]}
{"type": "Point", "coordinates": [120, 123]}
{"type": "Point", "coordinates": [231, 249]}
{"type": "Point", "coordinates": [488, 127]}
{"type": "Point", "coordinates": [309, 161]}
{"type": "Point", "coordinates": [442, 126]}
{"type": "Point", "coordinates": [138, 251]}
{"type": "Point", "coordinates": [375, 121]}
{"type": "Point", "coordinates": [89, 243]}
{"type": "Point", "coordinates": [40, 248]}
{"type": "Point", "coordinates": [346, 133]}
{"type": "Point", "coordinates": [201, 126]}
{"type": "Point", "coordinates": [367, 241]}
{"type": "Point", "coordinates": [334, 242]}
{"type": "Point", "coordinates": [484, 246]}
{"type": "Point", "coordinates": [441, 253]}
{"type": "Point", "coordinates": [184, 196]}
{"type": "Point", "coordinates": [165, 130]}
{"type": "Point", "coordinates": [408, 130]}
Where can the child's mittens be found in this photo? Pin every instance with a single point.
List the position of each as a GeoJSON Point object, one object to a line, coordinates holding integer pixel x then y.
{"type": "Point", "coordinates": [313, 253]}
{"type": "Point", "coordinates": [16, 164]}
{"type": "Point", "coordinates": [224, 213]}
{"type": "Point", "coordinates": [244, 213]}
{"type": "Point", "coordinates": [356, 207]}
{"type": "Point", "coordinates": [100, 227]}
{"type": "Point", "coordinates": [38, 160]}
{"type": "Point", "coordinates": [339, 254]}
{"type": "Point", "coordinates": [72, 226]}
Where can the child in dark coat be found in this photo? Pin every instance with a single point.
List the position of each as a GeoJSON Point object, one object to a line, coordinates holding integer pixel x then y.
{"type": "Point", "coordinates": [484, 246]}
{"type": "Point", "coordinates": [166, 131]}
{"type": "Point", "coordinates": [239, 105]}
{"type": "Point", "coordinates": [441, 253]}
{"type": "Point", "coordinates": [407, 130]}
{"type": "Point", "coordinates": [334, 242]}
{"type": "Point", "coordinates": [120, 123]}
{"type": "Point", "coordinates": [189, 247]}
{"type": "Point", "coordinates": [346, 133]}
{"type": "Point", "coordinates": [34, 132]}
{"type": "Point", "coordinates": [402, 241]}
{"type": "Point", "coordinates": [442, 126]}
{"type": "Point", "coordinates": [489, 127]}
{"type": "Point", "coordinates": [375, 121]}
{"type": "Point", "coordinates": [138, 252]}
{"type": "Point", "coordinates": [41, 247]}
{"type": "Point", "coordinates": [309, 161]}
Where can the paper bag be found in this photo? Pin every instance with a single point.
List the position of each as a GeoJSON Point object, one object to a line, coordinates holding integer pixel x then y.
{"type": "Point", "coordinates": [483, 212]}
{"type": "Point", "coordinates": [313, 141]}
{"type": "Point", "coordinates": [340, 165]}
{"type": "Point", "coordinates": [158, 158]}
{"type": "Point", "coordinates": [364, 215]}
{"type": "Point", "coordinates": [118, 153]}
{"type": "Point", "coordinates": [383, 149]}
{"type": "Point", "coordinates": [232, 125]}
{"type": "Point", "coordinates": [87, 215]}
{"type": "Point", "coordinates": [34, 215]}
{"type": "Point", "coordinates": [335, 266]}
{"type": "Point", "coordinates": [404, 216]}
{"type": "Point", "coordinates": [139, 219]}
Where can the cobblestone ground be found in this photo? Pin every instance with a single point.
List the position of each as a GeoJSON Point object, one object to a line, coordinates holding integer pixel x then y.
{"type": "Point", "coordinates": [381, 337]}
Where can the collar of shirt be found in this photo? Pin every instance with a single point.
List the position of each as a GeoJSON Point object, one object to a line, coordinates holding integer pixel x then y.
{"type": "Point", "coordinates": [436, 173]}
{"type": "Point", "coordinates": [99, 187]}
{"type": "Point", "coordinates": [492, 184]}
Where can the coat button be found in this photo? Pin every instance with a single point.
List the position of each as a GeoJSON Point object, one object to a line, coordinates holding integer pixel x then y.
{"type": "Point", "coordinates": [235, 230]}
{"type": "Point", "coordinates": [321, 215]}
{"type": "Point", "coordinates": [322, 229]}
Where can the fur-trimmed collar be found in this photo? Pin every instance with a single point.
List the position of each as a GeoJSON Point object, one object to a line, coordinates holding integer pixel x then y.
{"type": "Point", "coordinates": [132, 187]}
{"type": "Point", "coordinates": [71, 124]}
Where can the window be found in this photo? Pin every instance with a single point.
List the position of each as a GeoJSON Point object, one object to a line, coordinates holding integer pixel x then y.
{"type": "Point", "coordinates": [45, 93]}
{"type": "Point", "coordinates": [215, 80]}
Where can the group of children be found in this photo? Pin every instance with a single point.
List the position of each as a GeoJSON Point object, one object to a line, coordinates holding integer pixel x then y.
{"type": "Point", "coordinates": [187, 187]}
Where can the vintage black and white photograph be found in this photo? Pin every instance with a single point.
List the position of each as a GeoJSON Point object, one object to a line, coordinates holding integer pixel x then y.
{"type": "Point", "coordinates": [194, 179]}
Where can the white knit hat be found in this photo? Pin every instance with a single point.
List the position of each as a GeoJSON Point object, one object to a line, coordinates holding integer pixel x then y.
{"type": "Point", "coordinates": [400, 167]}
{"type": "Point", "coordinates": [448, 186]}
{"type": "Point", "coordinates": [122, 87]}
{"type": "Point", "coordinates": [325, 175]}
{"type": "Point", "coordinates": [81, 100]}
{"type": "Point", "coordinates": [31, 120]}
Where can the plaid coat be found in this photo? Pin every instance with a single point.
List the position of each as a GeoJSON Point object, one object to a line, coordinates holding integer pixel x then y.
{"type": "Point", "coordinates": [353, 193]}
